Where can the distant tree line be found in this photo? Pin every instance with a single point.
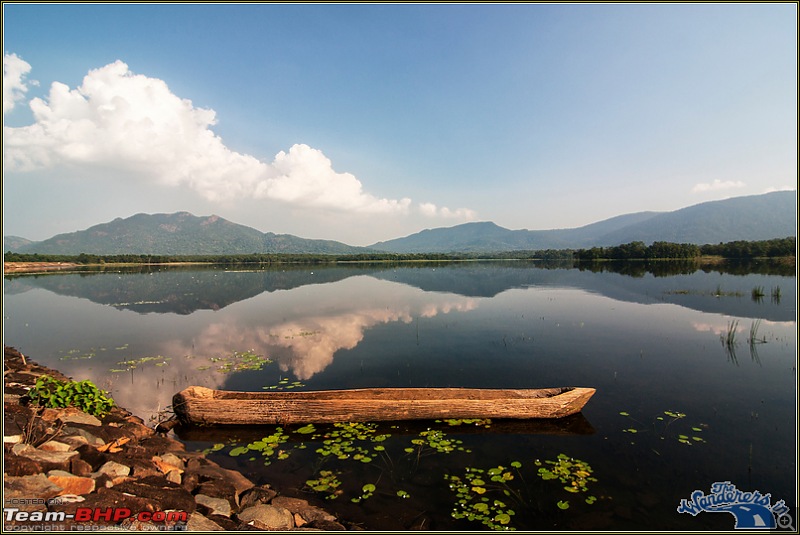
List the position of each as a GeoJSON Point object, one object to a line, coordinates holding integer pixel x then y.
{"type": "Point", "coordinates": [637, 250]}
{"type": "Point", "coordinates": [753, 249]}
{"type": "Point", "coordinates": [780, 247]}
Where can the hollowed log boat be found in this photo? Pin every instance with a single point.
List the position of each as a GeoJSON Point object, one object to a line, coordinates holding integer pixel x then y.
{"type": "Point", "coordinates": [201, 405]}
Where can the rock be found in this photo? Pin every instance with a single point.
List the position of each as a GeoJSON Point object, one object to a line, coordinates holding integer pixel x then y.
{"type": "Point", "coordinates": [307, 512]}
{"type": "Point", "coordinates": [174, 460]}
{"type": "Point", "coordinates": [169, 495]}
{"type": "Point", "coordinates": [92, 439]}
{"type": "Point", "coordinates": [219, 488]}
{"type": "Point", "coordinates": [12, 439]}
{"type": "Point", "coordinates": [19, 449]}
{"type": "Point", "coordinates": [269, 517]}
{"type": "Point", "coordinates": [79, 467]}
{"type": "Point", "coordinates": [240, 483]}
{"type": "Point", "coordinates": [255, 496]}
{"type": "Point", "coordinates": [54, 445]}
{"type": "Point", "coordinates": [193, 464]}
{"type": "Point", "coordinates": [174, 477]}
{"type": "Point", "coordinates": [77, 416]}
{"type": "Point", "coordinates": [215, 506]}
{"type": "Point", "coordinates": [229, 524]}
{"type": "Point", "coordinates": [50, 460]}
{"type": "Point", "coordinates": [73, 484]}
{"type": "Point", "coordinates": [17, 466]}
{"type": "Point", "coordinates": [38, 486]}
{"type": "Point", "coordinates": [62, 473]}
{"type": "Point", "coordinates": [75, 441]}
{"type": "Point", "coordinates": [108, 498]}
{"type": "Point", "coordinates": [198, 522]}
{"type": "Point", "coordinates": [113, 469]}
{"type": "Point", "coordinates": [299, 521]}
{"type": "Point", "coordinates": [190, 480]}
{"type": "Point", "coordinates": [326, 525]}
{"type": "Point", "coordinates": [294, 505]}
{"type": "Point", "coordinates": [161, 445]}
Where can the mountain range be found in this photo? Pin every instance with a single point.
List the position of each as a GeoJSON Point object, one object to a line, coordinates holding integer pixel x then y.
{"type": "Point", "coordinates": [756, 217]}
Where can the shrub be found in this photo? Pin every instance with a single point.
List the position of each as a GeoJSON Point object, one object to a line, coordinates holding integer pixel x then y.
{"type": "Point", "coordinates": [54, 393]}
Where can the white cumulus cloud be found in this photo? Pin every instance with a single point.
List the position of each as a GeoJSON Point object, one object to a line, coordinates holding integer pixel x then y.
{"type": "Point", "coordinates": [133, 124]}
{"type": "Point", "coordinates": [717, 185]}
{"type": "Point", "coordinates": [431, 210]}
{"type": "Point", "coordinates": [305, 176]}
{"type": "Point", "coordinates": [15, 70]}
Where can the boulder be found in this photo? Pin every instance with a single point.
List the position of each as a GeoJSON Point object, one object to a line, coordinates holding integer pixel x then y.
{"type": "Point", "coordinates": [214, 506]}
{"type": "Point", "coordinates": [268, 517]}
{"type": "Point", "coordinates": [73, 484]}
{"type": "Point", "coordinates": [256, 495]}
{"type": "Point", "coordinates": [157, 488]}
{"type": "Point", "coordinates": [198, 522]}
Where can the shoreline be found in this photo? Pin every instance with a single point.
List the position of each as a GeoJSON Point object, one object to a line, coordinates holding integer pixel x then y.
{"type": "Point", "coordinates": [62, 461]}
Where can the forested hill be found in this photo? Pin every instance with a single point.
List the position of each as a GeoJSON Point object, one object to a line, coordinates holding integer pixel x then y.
{"type": "Point", "coordinates": [179, 234]}
{"type": "Point", "coordinates": [756, 217]}
{"type": "Point", "coordinates": [752, 218]}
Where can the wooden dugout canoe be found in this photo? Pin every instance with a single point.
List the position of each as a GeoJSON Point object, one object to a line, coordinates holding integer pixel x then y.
{"type": "Point", "coordinates": [200, 405]}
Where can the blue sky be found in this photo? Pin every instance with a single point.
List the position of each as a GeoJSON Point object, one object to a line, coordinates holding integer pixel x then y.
{"type": "Point", "coordinates": [364, 123]}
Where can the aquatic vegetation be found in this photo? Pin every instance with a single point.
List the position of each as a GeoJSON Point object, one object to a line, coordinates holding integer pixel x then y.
{"type": "Point", "coordinates": [753, 339]}
{"type": "Point", "coordinates": [478, 422]}
{"type": "Point", "coordinates": [661, 424]}
{"type": "Point", "coordinates": [267, 447]}
{"type": "Point", "coordinates": [437, 441]}
{"type": "Point", "coordinates": [366, 492]}
{"type": "Point", "coordinates": [76, 354]}
{"type": "Point", "coordinates": [776, 295]}
{"type": "Point", "coordinates": [718, 292]}
{"type": "Point", "coordinates": [341, 442]}
{"type": "Point", "coordinates": [328, 482]}
{"type": "Point", "coordinates": [132, 364]}
{"type": "Point", "coordinates": [573, 473]}
{"type": "Point", "coordinates": [757, 294]}
{"type": "Point", "coordinates": [728, 339]}
{"type": "Point", "coordinates": [240, 361]}
{"type": "Point", "coordinates": [473, 501]}
{"type": "Point", "coordinates": [284, 384]}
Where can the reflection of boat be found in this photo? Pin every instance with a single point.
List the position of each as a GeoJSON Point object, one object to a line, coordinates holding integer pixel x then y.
{"type": "Point", "coordinates": [576, 424]}
{"type": "Point", "coordinates": [201, 405]}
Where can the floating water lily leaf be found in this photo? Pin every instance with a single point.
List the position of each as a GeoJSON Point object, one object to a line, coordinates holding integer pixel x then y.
{"type": "Point", "coordinates": [562, 504]}
{"type": "Point", "coordinates": [235, 452]}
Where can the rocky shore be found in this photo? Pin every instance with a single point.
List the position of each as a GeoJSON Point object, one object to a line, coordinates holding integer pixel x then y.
{"type": "Point", "coordinates": [102, 474]}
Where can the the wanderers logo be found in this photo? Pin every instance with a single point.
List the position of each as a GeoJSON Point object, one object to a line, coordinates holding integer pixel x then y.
{"type": "Point", "coordinates": [752, 510]}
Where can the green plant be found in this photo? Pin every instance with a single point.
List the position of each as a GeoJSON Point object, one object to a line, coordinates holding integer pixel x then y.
{"type": "Point", "coordinates": [776, 295]}
{"type": "Point", "coordinates": [728, 339]}
{"type": "Point", "coordinates": [474, 504]}
{"type": "Point", "coordinates": [573, 473]}
{"type": "Point", "coordinates": [267, 447]}
{"type": "Point", "coordinates": [757, 293]}
{"type": "Point", "coordinates": [327, 482]}
{"type": "Point", "coordinates": [54, 393]}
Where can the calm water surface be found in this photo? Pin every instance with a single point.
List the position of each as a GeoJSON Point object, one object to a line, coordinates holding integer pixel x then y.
{"type": "Point", "coordinates": [648, 344]}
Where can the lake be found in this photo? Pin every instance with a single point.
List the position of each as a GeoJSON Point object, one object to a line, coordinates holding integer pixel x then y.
{"type": "Point", "coordinates": [696, 378]}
